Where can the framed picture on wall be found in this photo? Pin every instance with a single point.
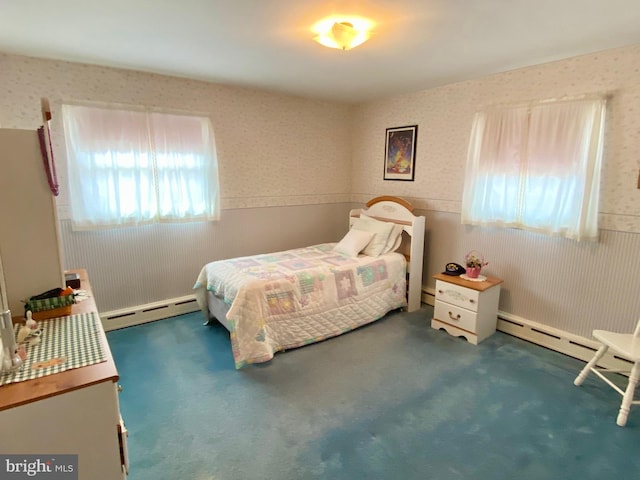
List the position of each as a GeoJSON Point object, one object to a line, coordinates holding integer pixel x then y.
{"type": "Point", "coordinates": [400, 153]}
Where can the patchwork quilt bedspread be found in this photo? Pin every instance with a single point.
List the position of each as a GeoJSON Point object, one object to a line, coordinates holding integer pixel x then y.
{"type": "Point", "coordinates": [296, 297]}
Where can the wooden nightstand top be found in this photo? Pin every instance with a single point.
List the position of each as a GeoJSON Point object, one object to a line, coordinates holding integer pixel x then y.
{"type": "Point", "coordinates": [479, 286]}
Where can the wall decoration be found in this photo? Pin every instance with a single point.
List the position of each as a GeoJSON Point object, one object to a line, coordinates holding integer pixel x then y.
{"type": "Point", "coordinates": [400, 153]}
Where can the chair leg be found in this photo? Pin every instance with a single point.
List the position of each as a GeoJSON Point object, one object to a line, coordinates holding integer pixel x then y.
{"type": "Point", "coordinates": [592, 363]}
{"type": "Point", "coordinates": [627, 398]}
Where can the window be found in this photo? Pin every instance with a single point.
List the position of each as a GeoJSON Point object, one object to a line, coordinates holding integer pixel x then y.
{"type": "Point", "coordinates": [536, 167]}
{"type": "Point", "coordinates": [129, 167]}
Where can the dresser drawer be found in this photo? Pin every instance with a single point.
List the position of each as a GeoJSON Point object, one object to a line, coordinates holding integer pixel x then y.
{"type": "Point", "coordinates": [457, 295]}
{"type": "Point", "coordinates": [456, 316]}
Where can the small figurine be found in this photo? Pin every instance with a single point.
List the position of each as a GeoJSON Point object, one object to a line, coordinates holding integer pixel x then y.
{"type": "Point", "coordinates": [31, 323]}
{"type": "Point", "coordinates": [23, 333]}
{"type": "Point", "coordinates": [29, 331]}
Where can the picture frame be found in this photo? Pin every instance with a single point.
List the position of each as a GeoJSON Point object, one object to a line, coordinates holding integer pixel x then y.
{"type": "Point", "coordinates": [400, 153]}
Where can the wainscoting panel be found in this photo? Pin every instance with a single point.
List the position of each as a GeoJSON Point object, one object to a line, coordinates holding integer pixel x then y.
{"type": "Point", "coordinates": [567, 285]}
{"type": "Point", "coordinates": [570, 286]}
{"type": "Point", "coordinates": [567, 343]}
{"type": "Point", "coordinates": [141, 265]}
{"type": "Point", "coordinates": [129, 267]}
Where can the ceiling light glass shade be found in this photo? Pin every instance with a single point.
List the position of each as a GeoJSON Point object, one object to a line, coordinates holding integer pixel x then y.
{"type": "Point", "coordinates": [343, 35]}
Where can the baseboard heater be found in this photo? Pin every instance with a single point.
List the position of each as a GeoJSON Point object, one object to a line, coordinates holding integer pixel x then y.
{"type": "Point", "coordinates": [149, 312]}
{"type": "Point", "coordinates": [563, 342]}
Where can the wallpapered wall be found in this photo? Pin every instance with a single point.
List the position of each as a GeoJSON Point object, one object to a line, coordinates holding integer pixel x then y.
{"type": "Point", "coordinates": [284, 152]}
{"type": "Point", "coordinates": [444, 117]}
{"type": "Point", "coordinates": [272, 149]}
{"type": "Point", "coordinates": [571, 286]}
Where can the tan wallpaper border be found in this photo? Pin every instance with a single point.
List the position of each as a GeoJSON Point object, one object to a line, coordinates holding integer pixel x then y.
{"type": "Point", "coordinates": [283, 201]}
{"type": "Point", "coordinates": [608, 221]}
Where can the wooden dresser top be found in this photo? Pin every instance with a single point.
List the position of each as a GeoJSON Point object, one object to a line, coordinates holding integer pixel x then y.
{"type": "Point", "coordinates": [19, 393]}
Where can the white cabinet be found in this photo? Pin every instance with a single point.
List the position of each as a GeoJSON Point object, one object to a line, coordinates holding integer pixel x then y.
{"type": "Point", "coordinates": [466, 308]}
{"type": "Point", "coordinates": [73, 412]}
{"type": "Point", "coordinates": [83, 422]}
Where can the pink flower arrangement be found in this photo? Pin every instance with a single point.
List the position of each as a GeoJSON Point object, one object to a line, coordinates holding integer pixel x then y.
{"type": "Point", "coordinates": [474, 259]}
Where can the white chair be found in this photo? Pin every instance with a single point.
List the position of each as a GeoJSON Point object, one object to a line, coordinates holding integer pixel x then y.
{"type": "Point", "coordinates": [625, 345]}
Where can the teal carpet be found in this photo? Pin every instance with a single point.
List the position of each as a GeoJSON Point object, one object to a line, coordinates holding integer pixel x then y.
{"type": "Point", "coordinates": [392, 400]}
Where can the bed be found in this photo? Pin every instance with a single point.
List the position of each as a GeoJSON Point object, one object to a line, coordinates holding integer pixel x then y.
{"type": "Point", "coordinates": [283, 300]}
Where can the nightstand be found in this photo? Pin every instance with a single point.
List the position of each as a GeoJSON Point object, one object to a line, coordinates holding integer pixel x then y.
{"type": "Point", "coordinates": [465, 308]}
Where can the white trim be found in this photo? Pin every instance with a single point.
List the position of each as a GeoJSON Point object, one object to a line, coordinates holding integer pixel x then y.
{"type": "Point", "coordinates": [149, 312]}
{"type": "Point", "coordinates": [560, 341]}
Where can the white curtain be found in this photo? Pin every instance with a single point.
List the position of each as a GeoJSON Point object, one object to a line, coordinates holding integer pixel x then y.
{"type": "Point", "coordinates": [137, 167]}
{"type": "Point", "coordinates": [537, 167]}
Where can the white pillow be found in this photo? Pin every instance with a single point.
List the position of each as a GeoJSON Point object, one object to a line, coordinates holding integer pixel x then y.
{"type": "Point", "coordinates": [380, 230]}
{"type": "Point", "coordinates": [353, 242]}
{"type": "Point", "coordinates": [395, 237]}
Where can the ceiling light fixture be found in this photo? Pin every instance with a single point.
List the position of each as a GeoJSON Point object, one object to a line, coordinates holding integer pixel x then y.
{"type": "Point", "coordinates": [343, 34]}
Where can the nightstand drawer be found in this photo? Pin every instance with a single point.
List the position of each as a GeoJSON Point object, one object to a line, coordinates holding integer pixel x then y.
{"type": "Point", "coordinates": [456, 316]}
{"type": "Point", "coordinates": [457, 295]}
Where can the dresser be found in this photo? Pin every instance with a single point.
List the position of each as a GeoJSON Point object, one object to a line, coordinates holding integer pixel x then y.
{"type": "Point", "coordinates": [466, 308]}
{"type": "Point", "coordinates": [72, 412]}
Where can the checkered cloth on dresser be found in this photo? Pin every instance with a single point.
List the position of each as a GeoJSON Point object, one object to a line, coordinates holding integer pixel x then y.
{"type": "Point", "coordinates": [65, 343]}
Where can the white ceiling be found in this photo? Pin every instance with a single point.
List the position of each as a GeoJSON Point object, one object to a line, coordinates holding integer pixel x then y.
{"type": "Point", "coordinates": [267, 44]}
